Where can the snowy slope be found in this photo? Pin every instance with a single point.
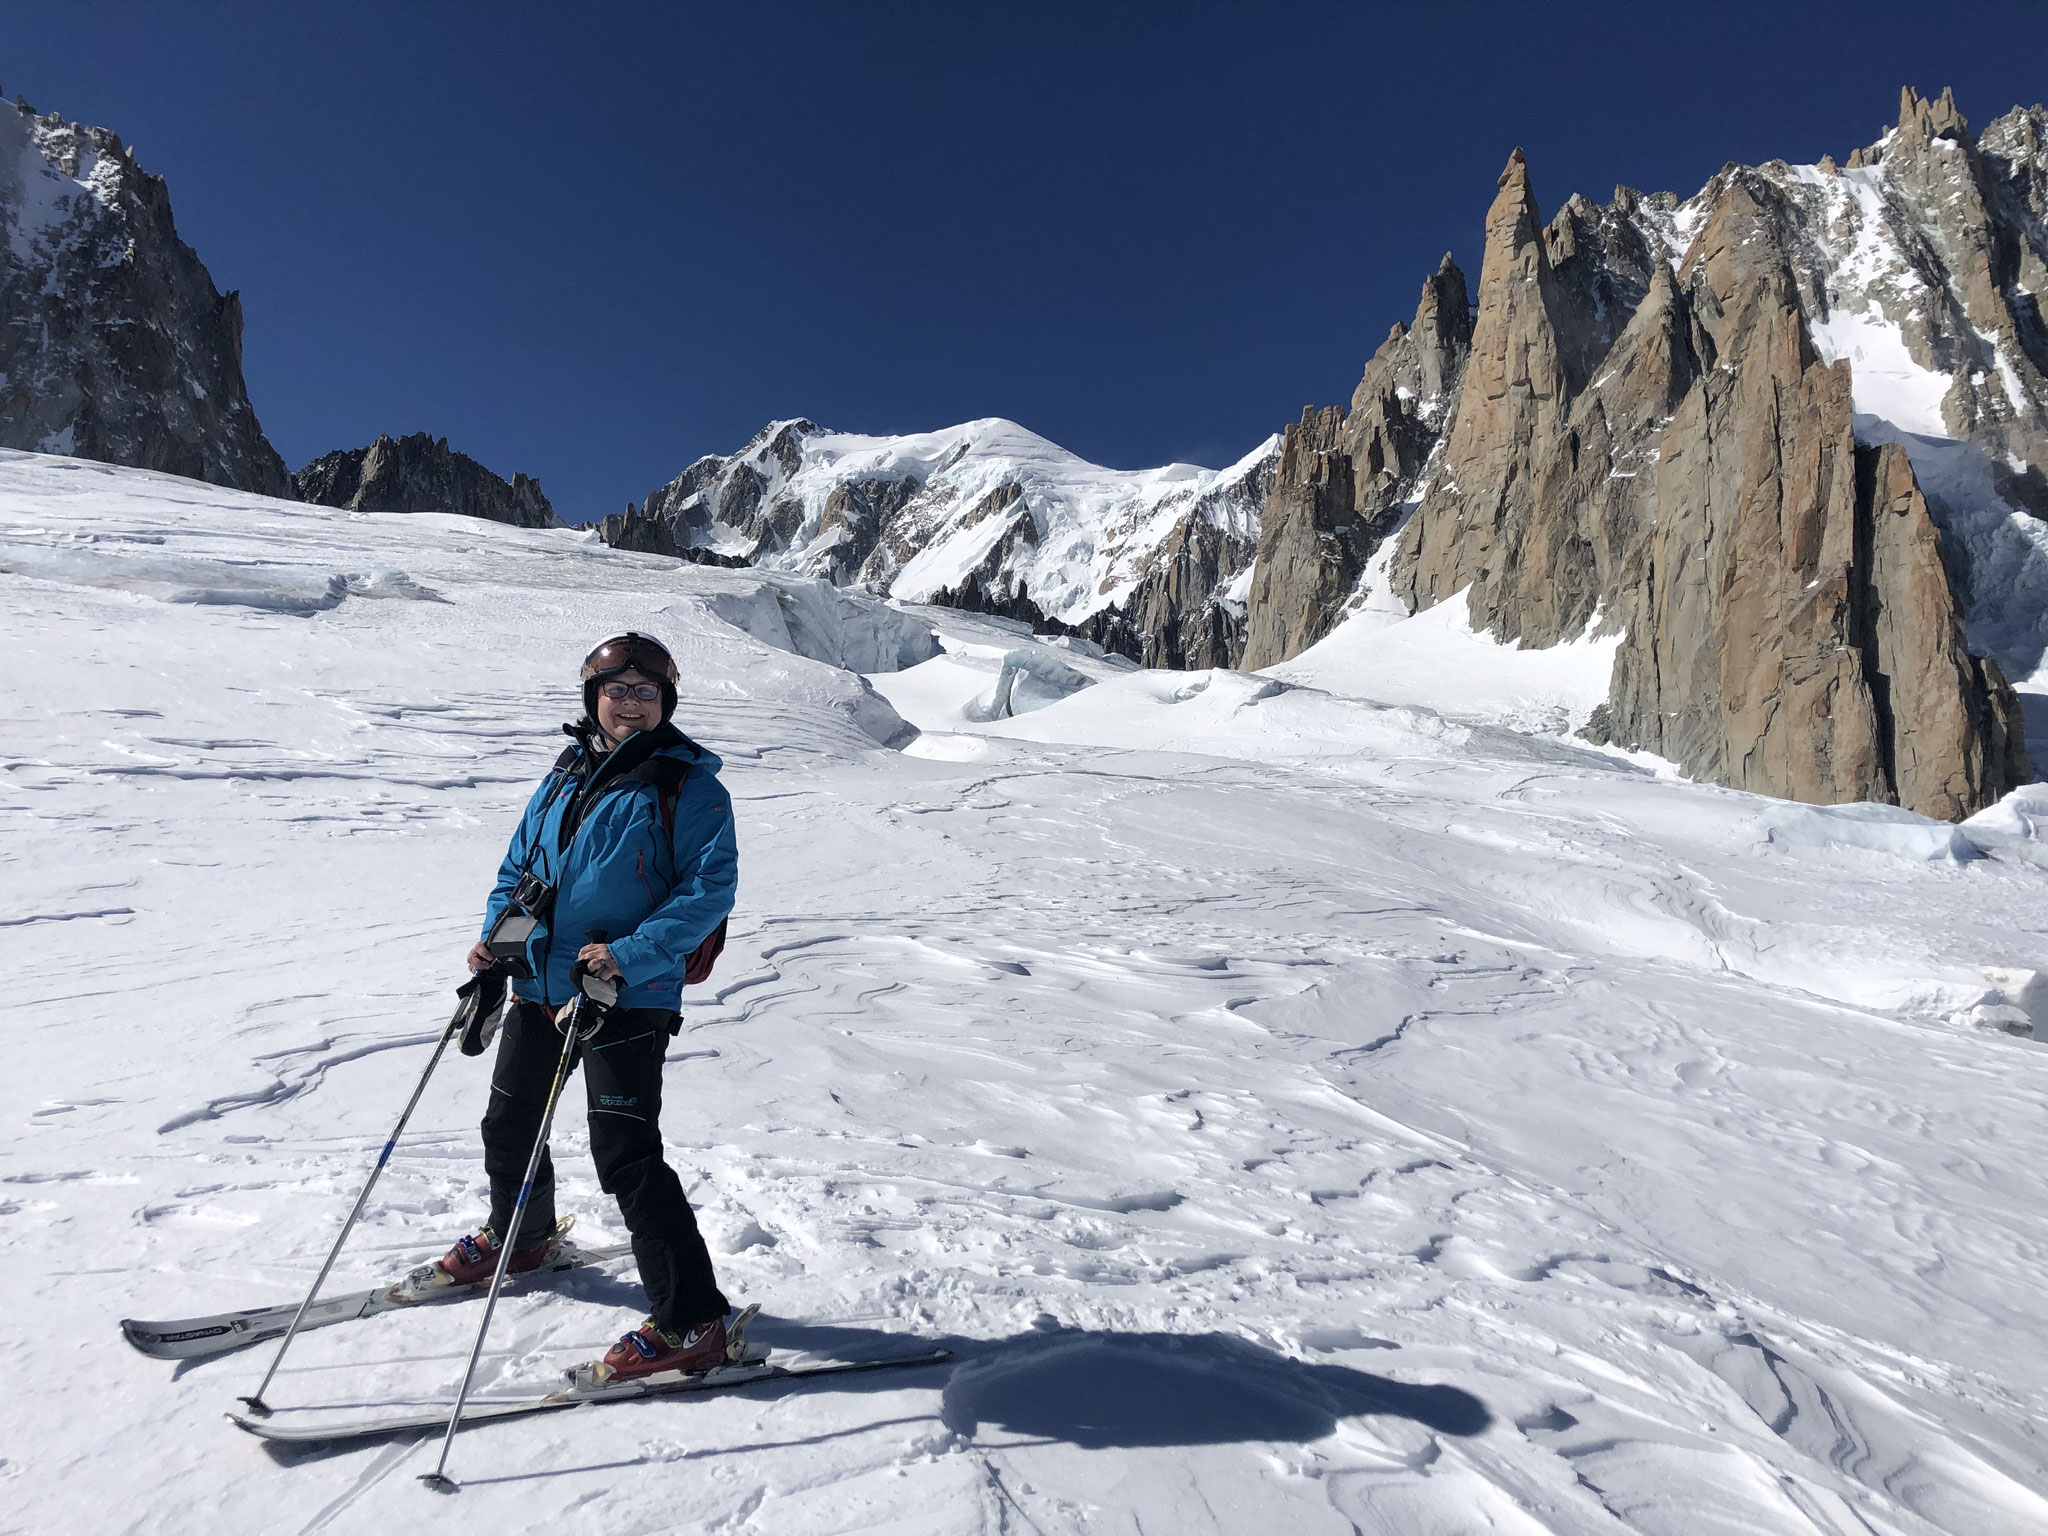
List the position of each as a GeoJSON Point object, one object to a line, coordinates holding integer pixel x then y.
{"type": "Point", "coordinates": [1299, 1111]}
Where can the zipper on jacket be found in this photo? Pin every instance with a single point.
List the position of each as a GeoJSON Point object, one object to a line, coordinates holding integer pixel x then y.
{"type": "Point", "coordinates": [563, 851]}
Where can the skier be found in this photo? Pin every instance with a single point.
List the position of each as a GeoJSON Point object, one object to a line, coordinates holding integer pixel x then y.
{"type": "Point", "coordinates": [629, 837]}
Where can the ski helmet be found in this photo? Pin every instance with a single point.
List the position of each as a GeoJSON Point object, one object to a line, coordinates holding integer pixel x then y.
{"type": "Point", "coordinates": [630, 652]}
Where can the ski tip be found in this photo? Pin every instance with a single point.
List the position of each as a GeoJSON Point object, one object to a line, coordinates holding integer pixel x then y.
{"type": "Point", "coordinates": [926, 1357]}
{"type": "Point", "coordinates": [164, 1341]}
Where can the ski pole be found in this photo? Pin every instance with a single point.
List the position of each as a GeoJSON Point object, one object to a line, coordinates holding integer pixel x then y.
{"type": "Point", "coordinates": [256, 1404]}
{"type": "Point", "coordinates": [438, 1479]}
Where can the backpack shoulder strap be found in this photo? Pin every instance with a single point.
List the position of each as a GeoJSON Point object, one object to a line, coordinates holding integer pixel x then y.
{"type": "Point", "coordinates": [667, 775]}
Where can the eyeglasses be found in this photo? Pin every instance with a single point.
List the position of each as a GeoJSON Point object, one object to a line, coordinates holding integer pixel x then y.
{"type": "Point", "coordinates": [646, 693]}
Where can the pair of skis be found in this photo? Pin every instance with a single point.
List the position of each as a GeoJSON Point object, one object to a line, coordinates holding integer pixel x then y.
{"type": "Point", "coordinates": [192, 1338]}
{"type": "Point", "coordinates": [200, 1338]}
{"type": "Point", "coordinates": [754, 1367]}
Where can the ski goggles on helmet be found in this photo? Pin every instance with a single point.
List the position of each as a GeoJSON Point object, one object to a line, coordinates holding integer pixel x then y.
{"type": "Point", "coordinates": [630, 652]}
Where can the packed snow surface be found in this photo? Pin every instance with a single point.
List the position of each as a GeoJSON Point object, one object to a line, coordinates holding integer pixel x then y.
{"type": "Point", "coordinates": [1299, 1108]}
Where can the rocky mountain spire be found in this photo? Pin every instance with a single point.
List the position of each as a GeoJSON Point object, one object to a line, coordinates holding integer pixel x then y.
{"type": "Point", "coordinates": [1511, 404]}
{"type": "Point", "coordinates": [1790, 624]}
{"type": "Point", "coordinates": [114, 343]}
{"type": "Point", "coordinates": [1921, 120]}
{"type": "Point", "coordinates": [1442, 332]}
{"type": "Point", "coordinates": [1661, 431]}
{"type": "Point", "coordinates": [1313, 543]}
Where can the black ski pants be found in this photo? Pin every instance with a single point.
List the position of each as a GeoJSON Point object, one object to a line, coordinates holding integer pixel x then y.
{"type": "Point", "coordinates": [622, 1084]}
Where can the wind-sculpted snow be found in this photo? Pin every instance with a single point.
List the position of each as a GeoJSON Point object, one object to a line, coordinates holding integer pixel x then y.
{"type": "Point", "coordinates": [276, 586]}
{"type": "Point", "coordinates": [1299, 1109]}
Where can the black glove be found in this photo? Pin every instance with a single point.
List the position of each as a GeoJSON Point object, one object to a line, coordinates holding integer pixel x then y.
{"type": "Point", "coordinates": [480, 1009]}
{"type": "Point", "coordinates": [594, 1006]}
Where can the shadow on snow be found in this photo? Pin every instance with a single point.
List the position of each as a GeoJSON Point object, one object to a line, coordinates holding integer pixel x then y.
{"type": "Point", "coordinates": [1100, 1389]}
{"type": "Point", "coordinates": [1094, 1389]}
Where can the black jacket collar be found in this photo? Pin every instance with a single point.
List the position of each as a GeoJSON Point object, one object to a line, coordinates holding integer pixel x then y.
{"type": "Point", "coordinates": [599, 773]}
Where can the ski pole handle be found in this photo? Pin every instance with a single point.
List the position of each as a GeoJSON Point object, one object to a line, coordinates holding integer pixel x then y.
{"type": "Point", "coordinates": [601, 990]}
{"type": "Point", "coordinates": [591, 989]}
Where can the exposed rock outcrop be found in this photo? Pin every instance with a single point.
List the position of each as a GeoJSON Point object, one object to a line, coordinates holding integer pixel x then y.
{"type": "Point", "coordinates": [634, 530]}
{"type": "Point", "coordinates": [1311, 543]}
{"type": "Point", "coordinates": [1340, 485]}
{"type": "Point", "coordinates": [1786, 438]}
{"type": "Point", "coordinates": [418, 473]}
{"type": "Point", "coordinates": [114, 343]}
{"type": "Point", "coordinates": [1188, 611]}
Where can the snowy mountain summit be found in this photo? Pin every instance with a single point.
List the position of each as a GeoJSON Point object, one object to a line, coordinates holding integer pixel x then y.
{"type": "Point", "coordinates": [1785, 440]}
{"type": "Point", "coordinates": [983, 514]}
{"type": "Point", "coordinates": [1784, 444]}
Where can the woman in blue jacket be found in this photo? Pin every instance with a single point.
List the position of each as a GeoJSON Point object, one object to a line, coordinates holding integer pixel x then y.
{"type": "Point", "coordinates": [630, 836]}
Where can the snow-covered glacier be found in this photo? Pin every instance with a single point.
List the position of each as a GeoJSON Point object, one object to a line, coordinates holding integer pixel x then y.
{"type": "Point", "coordinates": [1332, 1099]}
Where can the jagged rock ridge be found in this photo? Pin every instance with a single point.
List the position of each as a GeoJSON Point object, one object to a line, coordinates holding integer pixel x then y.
{"type": "Point", "coordinates": [1788, 437]}
{"type": "Point", "coordinates": [114, 343]}
{"type": "Point", "coordinates": [418, 473]}
{"type": "Point", "coordinates": [1152, 563]}
{"type": "Point", "coordinates": [1340, 486]}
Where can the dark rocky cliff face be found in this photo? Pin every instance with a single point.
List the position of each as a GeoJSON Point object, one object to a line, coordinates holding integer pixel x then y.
{"type": "Point", "coordinates": [419, 473]}
{"type": "Point", "coordinates": [1787, 438]}
{"type": "Point", "coordinates": [114, 343]}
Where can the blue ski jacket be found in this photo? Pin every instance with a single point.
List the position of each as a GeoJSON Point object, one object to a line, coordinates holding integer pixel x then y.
{"type": "Point", "coordinates": [655, 885]}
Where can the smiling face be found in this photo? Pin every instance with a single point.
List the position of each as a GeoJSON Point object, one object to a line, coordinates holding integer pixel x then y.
{"type": "Point", "coordinates": [620, 718]}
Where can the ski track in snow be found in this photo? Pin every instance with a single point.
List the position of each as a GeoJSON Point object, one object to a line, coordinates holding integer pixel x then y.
{"type": "Point", "coordinates": [1457, 1136]}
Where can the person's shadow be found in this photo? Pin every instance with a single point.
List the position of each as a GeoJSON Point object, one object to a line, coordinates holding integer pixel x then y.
{"type": "Point", "coordinates": [1097, 1389]}
{"type": "Point", "coordinates": [1092, 1388]}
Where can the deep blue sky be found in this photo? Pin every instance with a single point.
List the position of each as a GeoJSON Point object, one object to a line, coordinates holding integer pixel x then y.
{"type": "Point", "coordinates": [594, 242]}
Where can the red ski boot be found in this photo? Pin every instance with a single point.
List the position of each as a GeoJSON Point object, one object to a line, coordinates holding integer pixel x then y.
{"type": "Point", "coordinates": [650, 1349]}
{"type": "Point", "coordinates": [473, 1260]}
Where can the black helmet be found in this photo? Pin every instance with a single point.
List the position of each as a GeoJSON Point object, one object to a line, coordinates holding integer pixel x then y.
{"type": "Point", "coordinates": [630, 652]}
